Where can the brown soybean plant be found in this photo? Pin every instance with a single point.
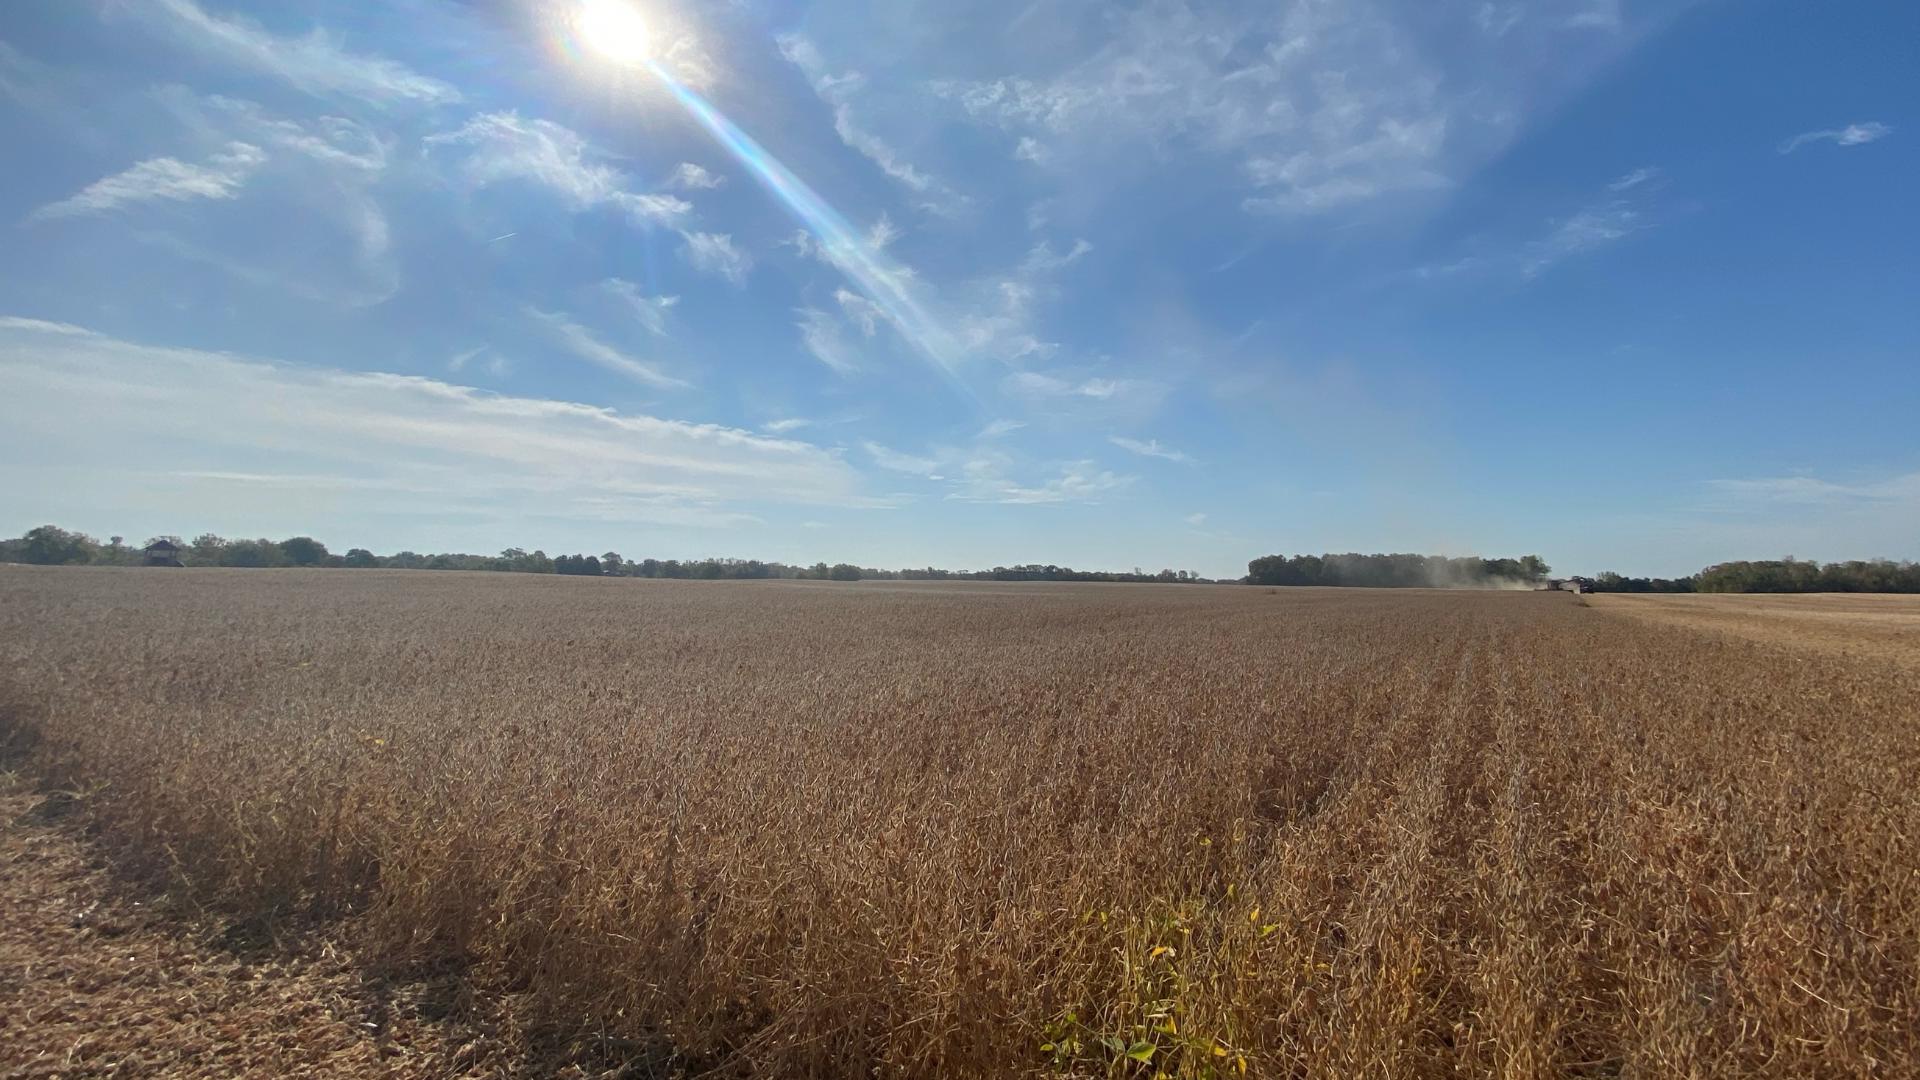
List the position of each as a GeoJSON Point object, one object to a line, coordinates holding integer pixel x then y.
{"type": "Point", "coordinates": [982, 829]}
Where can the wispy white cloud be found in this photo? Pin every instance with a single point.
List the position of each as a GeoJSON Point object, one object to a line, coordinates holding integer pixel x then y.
{"type": "Point", "coordinates": [1597, 15]}
{"type": "Point", "coordinates": [506, 147]}
{"type": "Point", "coordinates": [335, 141]}
{"type": "Point", "coordinates": [987, 472]}
{"type": "Point", "coordinates": [1000, 427]}
{"type": "Point", "coordinates": [439, 448]}
{"type": "Point", "coordinates": [687, 58]}
{"type": "Point", "coordinates": [314, 62]}
{"type": "Point", "coordinates": [998, 312]}
{"type": "Point", "coordinates": [25, 325]}
{"type": "Point", "coordinates": [882, 233]}
{"type": "Point", "coordinates": [1865, 514]}
{"type": "Point", "coordinates": [1150, 448]}
{"type": "Point", "coordinates": [786, 424]}
{"type": "Point", "coordinates": [1498, 20]}
{"type": "Point", "coordinates": [652, 311]}
{"type": "Point", "coordinates": [321, 176]}
{"type": "Point", "coordinates": [1637, 177]}
{"type": "Point", "coordinates": [1627, 208]}
{"type": "Point", "coordinates": [1314, 106]}
{"type": "Point", "coordinates": [483, 357]}
{"type": "Point", "coordinates": [1324, 104]}
{"type": "Point", "coordinates": [1851, 135]}
{"type": "Point", "coordinates": [1196, 520]}
{"type": "Point", "coordinates": [1040, 385]}
{"type": "Point", "coordinates": [860, 311]}
{"type": "Point", "coordinates": [1591, 228]}
{"type": "Point", "coordinates": [895, 461]}
{"type": "Point", "coordinates": [582, 343]}
{"type": "Point", "coordinates": [163, 179]}
{"type": "Point", "coordinates": [715, 253]}
{"type": "Point", "coordinates": [839, 91]}
{"type": "Point", "coordinates": [691, 177]}
{"type": "Point", "coordinates": [824, 337]}
{"type": "Point", "coordinates": [985, 479]}
{"type": "Point", "coordinates": [1397, 156]}
{"type": "Point", "coordinates": [1811, 491]}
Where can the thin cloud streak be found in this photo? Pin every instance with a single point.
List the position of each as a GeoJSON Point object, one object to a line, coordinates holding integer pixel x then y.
{"type": "Point", "coordinates": [1150, 448]}
{"type": "Point", "coordinates": [162, 179]}
{"type": "Point", "coordinates": [314, 63]}
{"type": "Point", "coordinates": [838, 92]}
{"type": "Point", "coordinates": [652, 311]}
{"type": "Point", "coordinates": [503, 146]}
{"type": "Point", "coordinates": [1851, 135]}
{"type": "Point", "coordinates": [582, 343]}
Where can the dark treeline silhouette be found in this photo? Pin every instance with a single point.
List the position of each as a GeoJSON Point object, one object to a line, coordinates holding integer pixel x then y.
{"type": "Point", "coordinates": [1612, 582]}
{"type": "Point", "coordinates": [1801, 575]}
{"type": "Point", "coordinates": [1427, 571]}
{"type": "Point", "coordinates": [51, 545]}
{"type": "Point", "coordinates": [1396, 571]}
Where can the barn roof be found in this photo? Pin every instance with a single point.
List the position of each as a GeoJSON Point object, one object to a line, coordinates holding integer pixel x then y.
{"type": "Point", "coordinates": [162, 544]}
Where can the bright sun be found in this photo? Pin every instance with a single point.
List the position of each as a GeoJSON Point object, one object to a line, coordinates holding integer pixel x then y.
{"type": "Point", "coordinates": [613, 29]}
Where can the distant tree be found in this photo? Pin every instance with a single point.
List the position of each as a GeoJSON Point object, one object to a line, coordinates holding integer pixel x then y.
{"type": "Point", "coordinates": [361, 559]}
{"type": "Point", "coordinates": [252, 553]}
{"type": "Point", "coordinates": [117, 553]}
{"type": "Point", "coordinates": [303, 550]}
{"type": "Point", "coordinates": [844, 572]}
{"type": "Point", "coordinates": [50, 545]}
{"type": "Point", "coordinates": [578, 565]}
{"type": "Point", "coordinates": [612, 565]}
{"type": "Point", "coordinates": [205, 550]}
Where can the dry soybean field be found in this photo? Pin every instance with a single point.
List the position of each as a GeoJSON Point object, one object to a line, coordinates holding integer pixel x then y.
{"type": "Point", "coordinates": [812, 829]}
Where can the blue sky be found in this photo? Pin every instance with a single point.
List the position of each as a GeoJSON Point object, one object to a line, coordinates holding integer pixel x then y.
{"type": "Point", "coordinates": [1630, 285]}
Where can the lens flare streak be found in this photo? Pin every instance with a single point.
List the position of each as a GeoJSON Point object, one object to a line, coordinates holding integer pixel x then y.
{"type": "Point", "coordinates": [885, 284]}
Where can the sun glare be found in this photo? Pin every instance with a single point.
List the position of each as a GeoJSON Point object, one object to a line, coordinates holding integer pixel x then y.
{"type": "Point", "coordinates": [613, 29]}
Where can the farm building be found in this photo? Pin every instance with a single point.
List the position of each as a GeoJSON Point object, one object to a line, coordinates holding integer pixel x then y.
{"type": "Point", "coordinates": [162, 552]}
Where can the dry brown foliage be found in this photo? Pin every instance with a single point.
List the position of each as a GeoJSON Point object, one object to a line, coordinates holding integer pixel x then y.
{"type": "Point", "coordinates": [776, 828]}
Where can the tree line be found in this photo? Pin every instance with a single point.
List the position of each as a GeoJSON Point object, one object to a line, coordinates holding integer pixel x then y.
{"type": "Point", "coordinates": [1430, 571]}
{"type": "Point", "coordinates": [51, 545]}
{"type": "Point", "coordinates": [1397, 571]}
